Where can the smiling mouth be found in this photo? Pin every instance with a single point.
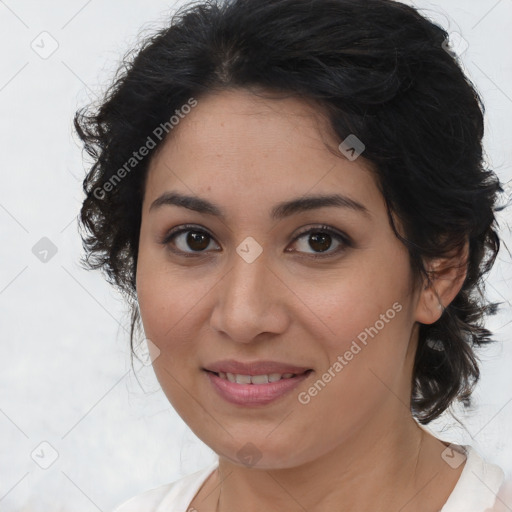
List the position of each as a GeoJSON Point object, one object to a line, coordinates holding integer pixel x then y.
{"type": "Point", "coordinates": [266, 378]}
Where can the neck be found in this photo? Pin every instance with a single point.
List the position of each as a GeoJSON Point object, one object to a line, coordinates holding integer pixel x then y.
{"type": "Point", "coordinates": [380, 469]}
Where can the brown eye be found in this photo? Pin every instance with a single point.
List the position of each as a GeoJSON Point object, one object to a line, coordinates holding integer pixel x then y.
{"type": "Point", "coordinates": [320, 241]}
{"type": "Point", "coordinates": [188, 240]}
{"type": "Point", "coordinates": [196, 240]}
{"type": "Point", "coordinates": [316, 241]}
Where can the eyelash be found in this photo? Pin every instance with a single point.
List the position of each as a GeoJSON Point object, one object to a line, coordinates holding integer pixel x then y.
{"type": "Point", "coordinates": [340, 237]}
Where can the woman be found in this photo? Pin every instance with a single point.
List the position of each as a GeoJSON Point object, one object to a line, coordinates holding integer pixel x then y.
{"type": "Point", "coordinates": [292, 196]}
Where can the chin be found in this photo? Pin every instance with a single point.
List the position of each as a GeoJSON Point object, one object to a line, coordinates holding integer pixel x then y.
{"type": "Point", "coordinates": [259, 453]}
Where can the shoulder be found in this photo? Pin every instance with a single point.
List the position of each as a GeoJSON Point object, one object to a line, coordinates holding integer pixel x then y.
{"type": "Point", "coordinates": [179, 494]}
{"type": "Point", "coordinates": [478, 485]}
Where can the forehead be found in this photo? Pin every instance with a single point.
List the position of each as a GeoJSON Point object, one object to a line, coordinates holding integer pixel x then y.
{"type": "Point", "coordinates": [237, 141]}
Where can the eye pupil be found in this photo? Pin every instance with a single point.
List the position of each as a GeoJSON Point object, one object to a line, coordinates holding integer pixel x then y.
{"type": "Point", "coordinates": [194, 237]}
{"type": "Point", "coordinates": [318, 241]}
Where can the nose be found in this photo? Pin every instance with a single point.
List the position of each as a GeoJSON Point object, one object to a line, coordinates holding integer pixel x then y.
{"type": "Point", "coordinates": [250, 301]}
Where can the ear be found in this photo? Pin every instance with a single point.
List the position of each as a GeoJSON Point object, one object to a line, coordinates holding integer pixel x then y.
{"type": "Point", "coordinates": [447, 276]}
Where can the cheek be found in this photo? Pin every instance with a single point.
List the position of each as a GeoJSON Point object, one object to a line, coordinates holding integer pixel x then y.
{"type": "Point", "coordinates": [364, 299]}
{"type": "Point", "coordinates": [365, 331]}
{"type": "Point", "coordinates": [169, 315]}
{"type": "Point", "coordinates": [168, 297]}
{"type": "Point", "coordinates": [169, 307]}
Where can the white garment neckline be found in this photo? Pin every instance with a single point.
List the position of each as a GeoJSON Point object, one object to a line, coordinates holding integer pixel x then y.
{"type": "Point", "coordinates": [475, 490]}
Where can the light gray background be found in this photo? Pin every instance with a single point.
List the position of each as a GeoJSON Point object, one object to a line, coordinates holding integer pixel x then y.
{"type": "Point", "coordinates": [65, 376]}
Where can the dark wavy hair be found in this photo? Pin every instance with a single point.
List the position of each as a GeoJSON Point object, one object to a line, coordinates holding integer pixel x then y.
{"type": "Point", "coordinates": [378, 70]}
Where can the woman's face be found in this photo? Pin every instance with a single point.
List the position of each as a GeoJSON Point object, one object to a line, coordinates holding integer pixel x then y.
{"type": "Point", "coordinates": [245, 283]}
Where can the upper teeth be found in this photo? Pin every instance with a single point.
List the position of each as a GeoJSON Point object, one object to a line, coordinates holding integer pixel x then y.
{"type": "Point", "coordinates": [255, 379]}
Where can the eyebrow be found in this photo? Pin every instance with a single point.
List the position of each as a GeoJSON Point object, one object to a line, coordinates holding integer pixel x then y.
{"type": "Point", "coordinates": [279, 211]}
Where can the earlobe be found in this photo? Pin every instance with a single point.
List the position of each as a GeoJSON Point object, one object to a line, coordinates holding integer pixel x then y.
{"type": "Point", "coordinates": [430, 306]}
{"type": "Point", "coordinates": [447, 275]}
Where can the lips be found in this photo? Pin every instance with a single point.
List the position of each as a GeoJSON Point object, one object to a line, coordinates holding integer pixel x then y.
{"type": "Point", "coordinates": [253, 394]}
{"type": "Point", "coordinates": [256, 383]}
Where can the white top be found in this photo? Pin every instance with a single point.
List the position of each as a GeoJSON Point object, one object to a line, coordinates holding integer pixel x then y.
{"type": "Point", "coordinates": [475, 490]}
